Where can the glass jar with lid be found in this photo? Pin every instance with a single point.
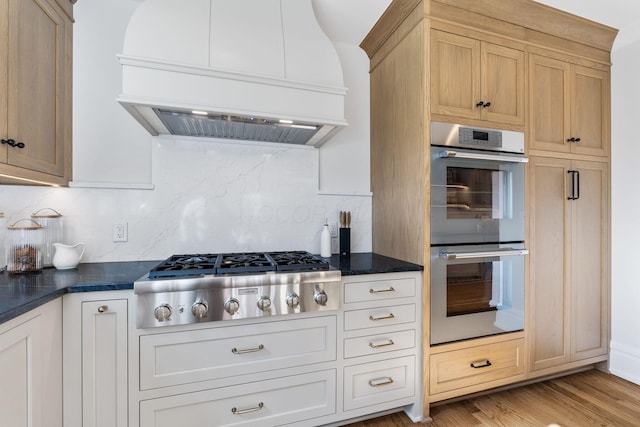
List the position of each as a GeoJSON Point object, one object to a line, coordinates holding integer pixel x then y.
{"type": "Point", "coordinates": [53, 231]}
{"type": "Point", "coordinates": [24, 247]}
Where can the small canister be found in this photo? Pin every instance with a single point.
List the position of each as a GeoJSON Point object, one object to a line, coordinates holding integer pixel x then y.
{"type": "Point", "coordinates": [3, 232]}
{"type": "Point", "coordinates": [24, 247]}
{"type": "Point", "coordinates": [51, 220]}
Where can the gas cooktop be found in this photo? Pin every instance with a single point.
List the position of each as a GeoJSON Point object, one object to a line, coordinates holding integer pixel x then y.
{"type": "Point", "coordinates": [196, 288]}
{"type": "Point", "coordinates": [238, 263]}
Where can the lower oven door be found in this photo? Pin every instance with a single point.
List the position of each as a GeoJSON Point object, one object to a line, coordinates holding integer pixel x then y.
{"type": "Point", "coordinates": [476, 291]}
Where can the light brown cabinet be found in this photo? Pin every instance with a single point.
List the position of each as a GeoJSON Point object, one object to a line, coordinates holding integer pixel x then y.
{"type": "Point", "coordinates": [475, 79]}
{"type": "Point", "coordinates": [546, 72]}
{"type": "Point", "coordinates": [35, 92]}
{"type": "Point", "coordinates": [467, 367]}
{"type": "Point", "coordinates": [568, 291]}
{"type": "Point", "coordinates": [569, 107]}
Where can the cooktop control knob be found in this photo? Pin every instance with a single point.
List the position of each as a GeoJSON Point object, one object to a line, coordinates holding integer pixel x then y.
{"type": "Point", "coordinates": [199, 309]}
{"type": "Point", "coordinates": [264, 303]}
{"type": "Point", "coordinates": [232, 306]}
{"type": "Point", "coordinates": [293, 300]}
{"type": "Point", "coordinates": [320, 298]}
{"type": "Point", "coordinates": [163, 312]}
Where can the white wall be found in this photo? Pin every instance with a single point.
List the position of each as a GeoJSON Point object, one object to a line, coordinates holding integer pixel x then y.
{"type": "Point", "coordinates": [625, 219]}
{"type": "Point", "coordinates": [206, 197]}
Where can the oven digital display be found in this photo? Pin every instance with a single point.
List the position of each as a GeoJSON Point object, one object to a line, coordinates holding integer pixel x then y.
{"type": "Point", "coordinates": [480, 136]}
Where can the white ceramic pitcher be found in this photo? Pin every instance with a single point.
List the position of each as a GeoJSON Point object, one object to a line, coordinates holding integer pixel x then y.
{"type": "Point", "coordinates": [67, 256]}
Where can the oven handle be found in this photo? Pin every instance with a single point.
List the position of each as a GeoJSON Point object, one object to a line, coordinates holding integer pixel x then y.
{"type": "Point", "coordinates": [483, 156]}
{"type": "Point", "coordinates": [485, 254]}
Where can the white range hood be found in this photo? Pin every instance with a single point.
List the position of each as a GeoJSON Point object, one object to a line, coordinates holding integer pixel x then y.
{"type": "Point", "coordinates": [258, 70]}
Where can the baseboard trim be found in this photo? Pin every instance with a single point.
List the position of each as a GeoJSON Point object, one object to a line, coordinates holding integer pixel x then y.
{"type": "Point", "coordinates": [624, 362]}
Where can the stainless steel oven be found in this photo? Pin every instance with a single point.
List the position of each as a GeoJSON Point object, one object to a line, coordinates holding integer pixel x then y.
{"type": "Point", "coordinates": [477, 232]}
{"type": "Point", "coordinates": [476, 291]}
{"type": "Point", "coordinates": [477, 185]}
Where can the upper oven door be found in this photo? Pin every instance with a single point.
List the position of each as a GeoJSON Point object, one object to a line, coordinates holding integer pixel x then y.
{"type": "Point", "coordinates": [476, 196]}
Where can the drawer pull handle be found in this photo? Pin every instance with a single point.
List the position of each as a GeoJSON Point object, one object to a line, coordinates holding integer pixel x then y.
{"type": "Point", "coordinates": [481, 364]}
{"type": "Point", "coordinates": [236, 411]}
{"type": "Point", "coordinates": [389, 317]}
{"type": "Point", "coordinates": [384, 344]}
{"type": "Point", "coordinates": [381, 291]}
{"type": "Point", "coordinates": [247, 350]}
{"type": "Point", "coordinates": [103, 308]}
{"type": "Point", "coordinates": [380, 382]}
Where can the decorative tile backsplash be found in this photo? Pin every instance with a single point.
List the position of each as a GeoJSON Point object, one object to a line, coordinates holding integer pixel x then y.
{"type": "Point", "coordinates": [207, 197]}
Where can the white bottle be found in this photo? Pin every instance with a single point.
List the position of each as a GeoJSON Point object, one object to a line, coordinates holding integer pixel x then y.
{"type": "Point", "coordinates": [325, 241]}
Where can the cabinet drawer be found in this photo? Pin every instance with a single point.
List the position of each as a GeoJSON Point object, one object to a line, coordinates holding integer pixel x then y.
{"type": "Point", "coordinates": [379, 290]}
{"type": "Point", "coordinates": [182, 357]}
{"type": "Point", "coordinates": [455, 369]}
{"type": "Point", "coordinates": [379, 382]}
{"type": "Point", "coordinates": [265, 403]}
{"type": "Point", "coordinates": [379, 343]}
{"type": "Point", "coordinates": [379, 316]}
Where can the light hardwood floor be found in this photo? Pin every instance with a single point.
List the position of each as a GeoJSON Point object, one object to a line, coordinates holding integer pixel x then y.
{"type": "Point", "coordinates": [590, 398]}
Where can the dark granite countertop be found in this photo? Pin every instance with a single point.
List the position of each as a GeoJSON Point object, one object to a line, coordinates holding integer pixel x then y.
{"type": "Point", "coordinates": [370, 263]}
{"type": "Point", "coordinates": [20, 293]}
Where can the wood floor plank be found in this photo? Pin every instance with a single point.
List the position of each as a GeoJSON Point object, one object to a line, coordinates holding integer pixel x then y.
{"type": "Point", "coordinates": [590, 398]}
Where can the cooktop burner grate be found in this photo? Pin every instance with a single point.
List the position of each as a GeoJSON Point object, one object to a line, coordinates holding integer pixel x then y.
{"type": "Point", "coordinates": [297, 260]}
{"type": "Point", "coordinates": [180, 265]}
{"type": "Point", "coordinates": [244, 263]}
{"type": "Point", "coordinates": [236, 263]}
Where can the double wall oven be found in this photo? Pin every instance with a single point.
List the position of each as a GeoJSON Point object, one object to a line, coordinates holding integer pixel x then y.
{"type": "Point", "coordinates": [477, 232]}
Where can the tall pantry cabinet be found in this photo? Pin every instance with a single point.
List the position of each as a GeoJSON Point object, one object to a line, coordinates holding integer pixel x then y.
{"type": "Point", "coordinates": [516, 65]}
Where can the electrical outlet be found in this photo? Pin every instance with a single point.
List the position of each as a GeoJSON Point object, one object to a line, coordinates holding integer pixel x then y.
{"type": "Point", "coordinates": [333, 230]}
{"type": "Point", "coordinates": [120, 232]}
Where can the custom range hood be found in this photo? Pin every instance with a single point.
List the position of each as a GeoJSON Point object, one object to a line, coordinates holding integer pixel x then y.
{"type": "Point", "coordinates": [256, 70]}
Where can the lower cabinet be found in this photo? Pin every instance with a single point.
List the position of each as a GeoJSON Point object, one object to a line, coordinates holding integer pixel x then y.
{"type": "Point", "coordinates": [382, 343]}
{"type": "Point", "coordinates": [265, 403]}
{"type": "Point", "coordinates": [95, 360]}
{"type": "Point", "coordinates": [569, 276]}
{"type": "Point", "coordinates": [475, 365]}
{"type": "Point", "coordinates": [306, 370]}
{"type": "Point", "coordinates": [31, 368]}
{"type": "Point", "coordinates": [379, 383]}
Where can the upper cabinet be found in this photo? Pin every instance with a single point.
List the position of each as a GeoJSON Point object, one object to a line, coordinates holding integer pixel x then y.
{"type": "Point", "coordinates": [35, 92]}
{"type": "Point", "coordinates": [473, 79]}
{"type": "Point", "coordinates": [569, 107]}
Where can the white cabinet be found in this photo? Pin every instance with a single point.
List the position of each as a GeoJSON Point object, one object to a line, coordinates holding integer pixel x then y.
{"type": "Point", "coordinates": [305, 370]}
{"type": "Point", "coordinates": [382, 357]}
{"type": "Point", "coordinates": [265, 372]}
{"type": "Point", "coordinates": [31, 368]}
{"type": "Point", "coordinates": [185, 357]}
{"type": "Point", "coordinates": [95, 361]}
{"type": "Point", "coordinates": [272, 402]}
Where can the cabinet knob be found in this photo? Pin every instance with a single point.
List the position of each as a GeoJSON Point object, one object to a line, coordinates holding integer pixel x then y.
{"type": "Point", "coordinates": [103, 308]}
{"type": "Point", "coordinates": [487, 105]}
{"type": "Point", "coordinates": [480, 104]}
{"type": "Point", "coordinates": [573, 140]}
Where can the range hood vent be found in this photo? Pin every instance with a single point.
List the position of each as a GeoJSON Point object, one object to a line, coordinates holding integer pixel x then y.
{"type": "Point", "coordinates": [238, 127]}
{"type": "Point", "coordinates": [254, 70]}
